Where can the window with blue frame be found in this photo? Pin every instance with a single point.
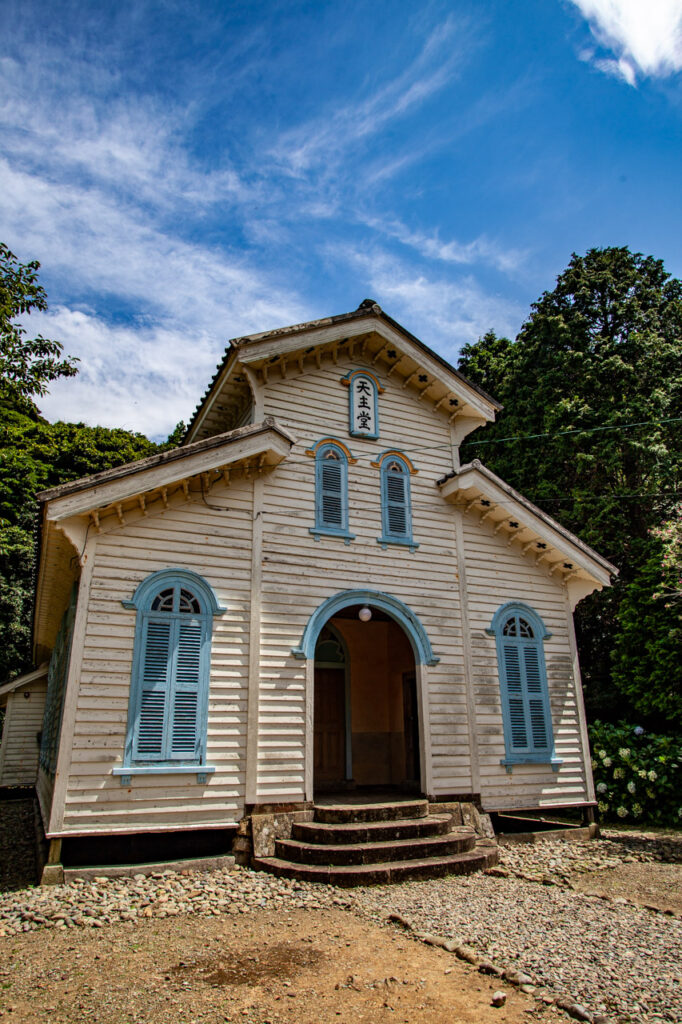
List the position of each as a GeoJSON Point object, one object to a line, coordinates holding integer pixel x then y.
{"type": "Point", "coordinates": [396, 511]}
{"type": "Point", "coordinates": [168, 707]}
{"type": "Point", "coordinates": [519, 634]}
{"type": "Point", "coordinates": [331, 493]}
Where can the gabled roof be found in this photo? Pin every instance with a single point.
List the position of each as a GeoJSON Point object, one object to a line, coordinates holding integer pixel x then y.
{"type": "Point", "coordinates": [263, 351]}
{"type": "Point", "coordinates": [34, 676]}
{"type": "Point", "coordinates": [159, 470]}
{"type": "Point", "coordinates": [478, 489]}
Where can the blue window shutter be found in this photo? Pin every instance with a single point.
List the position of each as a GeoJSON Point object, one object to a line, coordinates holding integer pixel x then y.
{"type": "Point", "coordinates": [395, 501]}
{"type": "Point", "coordinates": [331, 491]}
{"type": "Point", "coordinates": [525, 695]}
{"type": "Point", "coordinates": [517, 718]}
{"type": "Point", "coordinates": [331, 495]}
{"type": "Point", "coordinates": [184, 732]}
{"type": "Point", "coordinates": [168, 707]}
{"type": "Point", "coordinates": [154, 690]}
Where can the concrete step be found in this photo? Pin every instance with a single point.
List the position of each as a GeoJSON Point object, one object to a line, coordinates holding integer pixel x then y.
{"type": "Point", "coordinates": [484, 855]}
{"type": "Point", "coordinates": [335, 814]}
{"type": "Point", "coordinates": [458, 841]}
{"type": "Point", "coordinates": [372, 831]}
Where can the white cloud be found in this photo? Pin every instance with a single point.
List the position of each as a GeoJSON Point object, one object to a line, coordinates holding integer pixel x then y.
{"type": "Point", "coordinates": [449, 313]}
{"type": "Point", "coordinates": [479, 251]}
{"type": "Point", "coordinates": [319, 140]}
{"type": "Point", "coordinates": [644, 35]}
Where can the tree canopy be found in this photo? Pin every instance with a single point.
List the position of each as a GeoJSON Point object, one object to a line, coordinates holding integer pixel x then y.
{"type": "Point", "coordinates": [26, 365]}
{"type": "Point", "coordinates": [592, 425]}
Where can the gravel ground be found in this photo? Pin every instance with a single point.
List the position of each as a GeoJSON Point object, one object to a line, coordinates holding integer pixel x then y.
{"type": "Point", "coordinates": [615, 958]}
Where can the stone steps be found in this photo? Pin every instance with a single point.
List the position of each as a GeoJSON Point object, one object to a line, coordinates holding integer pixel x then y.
{"type": "Point", "coordinates": [375, 844]}
{"type": "Point", "coordinates": [336, 814]}
{"type": "Point", "coordinates": [460, 841]}
{"type": "Point", "coordinates": [482, 856]}
{"type": "Point", "coordinates": [371, 831]}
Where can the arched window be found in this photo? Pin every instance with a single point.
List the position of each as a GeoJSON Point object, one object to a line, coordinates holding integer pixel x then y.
{"type": "Point", "coordinates": [396, 513]}
{"type": "Point", "coordinates": [331, 493]}
{"type": "Point", "coordinates": [519, 634]}
{"type": "Point", "coordinates": [168, 704]}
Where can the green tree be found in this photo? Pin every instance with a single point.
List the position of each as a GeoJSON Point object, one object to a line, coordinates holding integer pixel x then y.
{"type": "Point", "coordinates": [599, 354]}
{"type": "Point", "coordinates": [26, 365]}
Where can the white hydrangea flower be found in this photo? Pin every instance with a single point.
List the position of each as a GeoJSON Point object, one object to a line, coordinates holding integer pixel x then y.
{"type": "Point", "coordinates": [618, 773]}
{"type": "Point", "coordinates": [602, 754]}
{"type": "Point", "coordinates": [632, 788]}
{"type": "Point", "coordinates": [642, 773]}
{"type": "Point", "coordinates": [638, 730]}
{"type": "Point", "coordinates": [624, 752]}
{"type": "Point", "coordinates": [603, 807]}
{"type": "Point", "coordinates": [652, 776]}
{"type": "Point", "coordinates": [602, 787]}
{"type": "Point", "coordinates": [637, 810]}
{"type": "Point", "coordinates": [622, 812]}
{"type": "Point", "coordinates": [607, 762]}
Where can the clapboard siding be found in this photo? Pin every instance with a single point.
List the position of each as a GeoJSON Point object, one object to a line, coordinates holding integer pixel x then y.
{"type": "Point", "coordinates": [214, 542]}
{"type": "Point", "coordinates": [256, 550]}
{"type": "Point", "coordinates": [496, 573]}
{"type": "Point", "coordinates": [300, 574]}
{"type": "Point", "coordinates": [19, 749]}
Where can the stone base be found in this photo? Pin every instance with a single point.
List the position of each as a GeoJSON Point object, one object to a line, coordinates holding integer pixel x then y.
{"type": "Point", "coordinates": [53, 874]}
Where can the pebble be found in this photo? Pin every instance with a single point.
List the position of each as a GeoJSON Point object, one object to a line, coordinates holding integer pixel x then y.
{"type": "Point", "coordinates": [600, 958]}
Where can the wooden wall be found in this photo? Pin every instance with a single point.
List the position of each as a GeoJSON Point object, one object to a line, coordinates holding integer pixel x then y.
{"type": "Point", "coordinates": [256, 550]}
{"type": "Point", "coordinates": [497, 573]}
{"type": "Point", "coordinates": [23, 721]}
{"type": "Point", "coordinates": [216, 543]}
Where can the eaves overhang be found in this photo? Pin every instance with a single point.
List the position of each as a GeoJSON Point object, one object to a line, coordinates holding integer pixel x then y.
{"type": "Point", "coordinates": [267, 439]}
{"type": "Point", "coordinates": [502, 509]}
{"type": "Point", "coordinates": [388, 345]}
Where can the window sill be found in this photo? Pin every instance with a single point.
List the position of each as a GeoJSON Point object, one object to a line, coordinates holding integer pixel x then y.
{"type": "Point", "coordinates": [321, 531]}
{"type": "Point", "coordinates": [200, 770]}
{"type": "Point", "coordinates": [405, 542]}
{"type": "Point", "coordinates": [541, 759]}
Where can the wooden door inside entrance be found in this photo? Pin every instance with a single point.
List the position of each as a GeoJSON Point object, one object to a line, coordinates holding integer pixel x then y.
{"type": "Point", "coordinates": [330, 726]}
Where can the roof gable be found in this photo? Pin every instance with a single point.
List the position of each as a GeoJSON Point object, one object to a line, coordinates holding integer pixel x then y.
{"type": "Point", "coordinates": [388, 346]}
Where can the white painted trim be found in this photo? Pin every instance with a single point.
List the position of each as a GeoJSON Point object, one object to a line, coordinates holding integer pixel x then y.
{"type": "Point", "coordinates": [25, 680]}
{"type": "Point", "coordinates": [425, 754]}
{"type": "Point", "coordinates": [65, 752]}
{"type": "Point", "coordinates": [466, 646]}
{"type": "Point", "coordinates": [309, 753]}
{"type": "Point", "coordinates": [252, 717]}
{"type": "Point", "coordinates": [258, 392]}
{"type": "Point", "coordinates": [580, 702]}
{"type": "Point", "coordinates": [267, 441]}
{"type": "Point", "coordinates": [5, 735]}
{"type": "Point", "coordinates": [106, 830]}
{"type": "Point", "coordinates": [255, 350]}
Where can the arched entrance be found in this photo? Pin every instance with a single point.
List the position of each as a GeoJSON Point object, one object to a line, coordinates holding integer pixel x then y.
{"type": "Point", "coordinates": [366, 680]}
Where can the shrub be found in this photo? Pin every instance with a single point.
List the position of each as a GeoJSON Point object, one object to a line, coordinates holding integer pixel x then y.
{"type": "Point", "coordinates": [637, 774]}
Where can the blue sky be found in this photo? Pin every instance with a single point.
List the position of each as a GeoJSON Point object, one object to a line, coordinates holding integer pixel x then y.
{"type": "Point", "coordinates": [191, 172]}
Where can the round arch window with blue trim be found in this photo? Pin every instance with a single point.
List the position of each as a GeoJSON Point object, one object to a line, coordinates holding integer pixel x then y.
{"type": "Point", "coordinates": [526, 712]}
{"type": "Point", "coordinates": [168, 706]}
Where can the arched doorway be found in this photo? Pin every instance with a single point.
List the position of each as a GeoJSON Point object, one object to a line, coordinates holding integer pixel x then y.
{"type": "Point", "coordinates": [366, 683]}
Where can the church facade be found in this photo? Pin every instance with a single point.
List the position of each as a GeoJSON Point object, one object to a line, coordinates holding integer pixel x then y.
{"type": "Point", "coordinates": [312, 594]}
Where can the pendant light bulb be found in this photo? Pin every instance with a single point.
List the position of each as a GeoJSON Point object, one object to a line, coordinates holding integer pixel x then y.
{"type": "Point", "coordinates": [365, 614]}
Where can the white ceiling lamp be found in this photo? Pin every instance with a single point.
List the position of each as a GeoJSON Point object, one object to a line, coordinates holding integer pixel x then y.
{"type": "Point", "coordinates": [365, 614]}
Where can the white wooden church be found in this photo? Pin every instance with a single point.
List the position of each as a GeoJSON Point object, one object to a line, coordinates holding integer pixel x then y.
{"type": "Point", "coordinates": [310, 595]}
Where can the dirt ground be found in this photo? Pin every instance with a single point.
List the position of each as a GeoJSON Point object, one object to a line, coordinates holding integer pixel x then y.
{"type": "Point", "coordinates": [304, 967]}
{"type": "Point", "coordinates": [650, 885]}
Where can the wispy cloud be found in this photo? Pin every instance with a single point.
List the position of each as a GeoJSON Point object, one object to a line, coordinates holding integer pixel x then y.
{"type": "Point", "coordinates": [320, 139]}
{"type": "Point", "coordinates": [480, 250]}
{"type": "Point", "coordinates": [445, 313]}
{"type": "Point", "coordinates": [644, 37]}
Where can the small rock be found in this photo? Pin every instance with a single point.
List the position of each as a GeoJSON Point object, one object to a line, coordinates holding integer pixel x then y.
{"type": "Point", "coordinates": [498, 999]}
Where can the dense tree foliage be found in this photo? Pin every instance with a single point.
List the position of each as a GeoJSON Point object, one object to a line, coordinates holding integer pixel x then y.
{"type": "Point", "coordinates": [26, 365]}
{"type": "Point", "coordinates": [591, 431]}
{"type": "Point", "coordinates": [35, 455]}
